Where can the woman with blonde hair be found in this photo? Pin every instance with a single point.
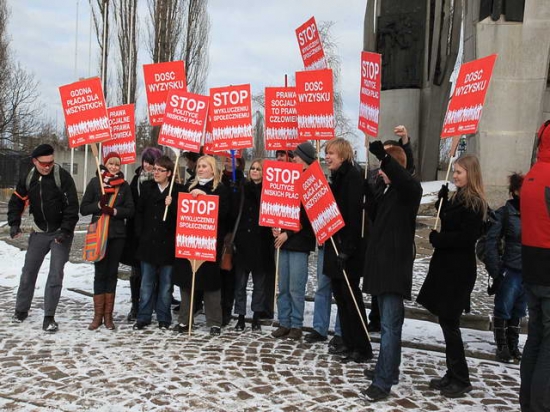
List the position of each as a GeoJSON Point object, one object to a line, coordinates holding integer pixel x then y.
{"type": "Point", "coordinates": [453, 268]}
{"type": "Point", "coordinates": [208, 279]}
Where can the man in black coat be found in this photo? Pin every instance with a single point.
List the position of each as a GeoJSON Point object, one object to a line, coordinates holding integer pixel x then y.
{"type": "Point", "coordinates": [51, 194]}
{"type": "Point", "coordinates": [389, 259]}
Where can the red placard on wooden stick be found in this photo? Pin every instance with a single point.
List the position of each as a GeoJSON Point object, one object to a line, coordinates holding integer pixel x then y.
{"type": "Point", "coordinates": [311, 46]}
{"type": "Point", "coordinates": [466, 105]}
{"type": "Point", "coordinates": [281, 118]}
{"type": "Point", "coordinates": [159, 79]}
{"type": "Point", "coordinates": [85, 112]}
{"type": "Point", "coordinates": [319, 203]}
{"type": "Point", "coordinates": [123, 133]}
{"type": "Point", "coordinates": [315, 105]}
{"type": "Point", "coordinates": [231, 117]}
{"type": "Point", "coordinates": [184, 120]}
{"type": "Point", "coordinates": [369, 97]}
{"type": "Point", "coordinates": [280, 200]}
{"type": "Point", "coordinates": [197, 227]}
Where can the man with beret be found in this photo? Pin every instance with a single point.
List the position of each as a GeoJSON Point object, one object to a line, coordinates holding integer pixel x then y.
{"type": "Point", "coordinates": [51, 194]}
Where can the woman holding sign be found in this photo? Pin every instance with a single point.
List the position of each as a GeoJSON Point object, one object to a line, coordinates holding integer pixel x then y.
{"type": "Point", "coordinates": [95, 203]}
{"type": "Point", "coordinates": [453, 268]}
{"type": "Point", "coordinates": [254, 250]}
{"type": "Point", "coordinates": [207, 278]}
{"type": "Point", "coordinates": [346, 185]}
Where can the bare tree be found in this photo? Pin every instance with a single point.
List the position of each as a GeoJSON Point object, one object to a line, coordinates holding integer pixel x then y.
{"type": "Point", "coordinates": [100, 15]}
{"type": "Point", "coordinates": [125, 15]}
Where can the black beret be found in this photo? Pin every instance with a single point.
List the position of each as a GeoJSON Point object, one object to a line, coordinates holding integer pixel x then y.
{"type": "Point", "coordinates": [42, 150]}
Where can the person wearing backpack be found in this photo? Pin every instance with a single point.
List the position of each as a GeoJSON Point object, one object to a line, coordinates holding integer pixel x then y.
{"type": "Point", "coordinates": [504, 266]}
{"type": "Point", "coordinates": [453, 268]}
{"type": "Point", "coordinates": [51, 194]}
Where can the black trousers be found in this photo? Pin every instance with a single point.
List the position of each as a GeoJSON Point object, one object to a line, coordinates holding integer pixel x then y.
{"type": "Point", "coordinates": [457, 368]}
{"type": "Point", "coordinates": [106, 270]}
{"type": "Point", "coordinates": [353, 334]}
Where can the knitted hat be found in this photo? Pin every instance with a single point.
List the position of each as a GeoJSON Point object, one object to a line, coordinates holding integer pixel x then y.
{"type": "Point", "coordinates": [150, 154]}
{"type": "Point", "coordinates": [42, 150]}
{"type": "Point", "coordinates": [110, 155]}
{"type": "Point", "coordinates": [306, 152]}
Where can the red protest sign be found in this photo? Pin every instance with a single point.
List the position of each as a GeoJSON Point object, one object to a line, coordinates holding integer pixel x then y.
{"type": "Point", "coordinates": [123, 133]}
{"type": "Point", "coordinates": [159, 79]}
{"type": "Point", "coordinates": [85, 112]}
{"type": "Point", "coordinates": [231, 117]}
{"type": "Point", "coordinates": [311, 46]}
{"type": "Point", "coordinates": [315, 105]}
{"type": "Point", "coordinates": [466, 104]}
{"type": "Point", "coordinates": [319, 203]}
{"type": "Point", "coordinates": [197, 227]}
{"type": "Point", "coordinates": [369, 97]}
{"type": "Point", "coordinates": [184, 120]}
{"type": "Point", "coordinates": [281, 118]}
{"type": "Point", "coordinates": [280, 202]}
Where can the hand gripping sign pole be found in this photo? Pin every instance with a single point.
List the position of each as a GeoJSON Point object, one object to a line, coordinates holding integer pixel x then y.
{"type": "Point", "coordinates": [195, 265]}
{"type": "Point", "coordinates": [351, 292]}
{"type": "Point", "coordinates": [452, 158]}
{"type": "Point", "coordinates": [172, 182]}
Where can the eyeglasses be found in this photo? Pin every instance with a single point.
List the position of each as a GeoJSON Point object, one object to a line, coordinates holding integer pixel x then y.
{"type": "Point", "coordinates": [159, 170]}
{"type": "Point", "coordinates": [45, 164]}
{"type": "Point", "coordinates": [259, 169]}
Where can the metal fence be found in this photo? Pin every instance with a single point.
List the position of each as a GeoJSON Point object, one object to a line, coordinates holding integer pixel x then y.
{"type": "Point", "coordinates": [13, 165]}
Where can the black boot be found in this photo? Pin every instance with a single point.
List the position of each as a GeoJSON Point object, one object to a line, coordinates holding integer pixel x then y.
{"type": "Point", "coordinates": [135, 286]}
{"type": "Point", "coordinates": [256, 325]}
{"type": "Point", "coordinates": [512, 336]}
{"type": "Point", "coordinates": [239, 327]}
{"type": "Point", "coordinates": [499, 331]}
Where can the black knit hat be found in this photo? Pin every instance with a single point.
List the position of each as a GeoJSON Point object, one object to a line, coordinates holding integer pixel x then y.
{"type": "Point", "coordinates": [42, 150]}
{"type": "Point", "coordinates": [306, 152]}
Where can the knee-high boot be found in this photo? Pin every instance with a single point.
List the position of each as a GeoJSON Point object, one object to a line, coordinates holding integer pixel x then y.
{"type": "Point", "coordinates": [109, 306]}
{"type": "Point", "coordinates": [512, 336]}
{"type": "Point", "coordinates": [99, 310]}
{"type": "Point", "coordinates": [499, 331]}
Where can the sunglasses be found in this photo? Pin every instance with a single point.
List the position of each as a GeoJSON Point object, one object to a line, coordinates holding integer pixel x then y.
{"type": "Point", "coordinates": [159, 170]}
{"type": "Point", "coordinates": [45, 164]}
{"type": "Point", "coordinates": [259, 169]}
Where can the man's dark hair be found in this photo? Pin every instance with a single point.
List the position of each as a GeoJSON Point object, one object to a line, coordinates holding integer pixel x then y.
{"type": "Point", "coordinates": [165, 162]}
{"type": "Point", "coordinates": [516, 181]}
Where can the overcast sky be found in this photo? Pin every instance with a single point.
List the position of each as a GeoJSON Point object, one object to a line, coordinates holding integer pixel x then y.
{"type": "Point", "coordinates": [251, 41]}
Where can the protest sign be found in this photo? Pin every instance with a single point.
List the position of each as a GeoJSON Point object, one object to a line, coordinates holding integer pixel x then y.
{"type": "Point", "coordinates": [319, 203]}
{"type": "Point", "coordinates": [315, 105]}
{"type": "Point", "coordinates": [197, 227]}
{"type": "Point", "coordinates": [231, 117]}
{"type": "Point", "coordinates": [311, 46]}
{"type": "Point", "coordinates": [85, 112]}
{"type": "Point", "coordinates": [159, 79]}
{"type": "Point", "coordinates": [369, 97]}
{"type": "Point", "coordinates": [184, 120]}
{"type": "Point", "coordinates": [466, 105]}
{"type": "Point", "coordinates": [280, 201]}
{"type": "Point", "coordinates": [281, 118]}
{"type": "Point", "coordinates": [123, 133]}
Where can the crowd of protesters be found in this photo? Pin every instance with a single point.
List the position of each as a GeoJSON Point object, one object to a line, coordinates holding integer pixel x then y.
{"type": "Point", "coordinates": [376, 246]}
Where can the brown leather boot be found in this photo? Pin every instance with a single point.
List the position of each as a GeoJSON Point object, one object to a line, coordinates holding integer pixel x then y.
{"type": "Point", "coordinates": [109, 305]}
{"type": "Point", "coordinates": [99, 305]}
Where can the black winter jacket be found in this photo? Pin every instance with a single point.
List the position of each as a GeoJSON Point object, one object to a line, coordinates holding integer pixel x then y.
{"type": "Point", "coordinates": [507, 226]}
{"type": "Point", "coordinates": [124, 205]}
{"type": "Point", "coordinates": [51, 208]}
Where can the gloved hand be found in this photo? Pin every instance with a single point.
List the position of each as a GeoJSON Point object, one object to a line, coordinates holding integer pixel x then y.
{"type": "Point", "coordinates": [341, 260]}
{"type": "Point", "coordinates": [104, 200]}
{"type": "Point", "coordinates": [434, 237]}
{"type": "Point", "coordinates": [107, 210]}
{"type": "Point", "coordinates": [62, 237]}
{"type": "Point", "coordinates": [377, 149]}
{"type": "Point", "coordinates": [443, 192]}
{"type": "Point", "coordinates": [492, 289]}
{"type": "Point", "coordinates": [14, 231]}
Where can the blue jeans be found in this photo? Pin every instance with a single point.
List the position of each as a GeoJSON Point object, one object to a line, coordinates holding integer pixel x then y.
{"type": "Point", "coordinates": [534, 393]}
{"type": "Point", "coordinates": [159, 279]}
{"type": "Point", "coordinates": [292, 288]}
{"type": "Point", "coordinates": [392, 314]}
{"type": "Point", "coordinates": [510, 300]}
{"type": "Point", "coordinates": [323, 301]}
